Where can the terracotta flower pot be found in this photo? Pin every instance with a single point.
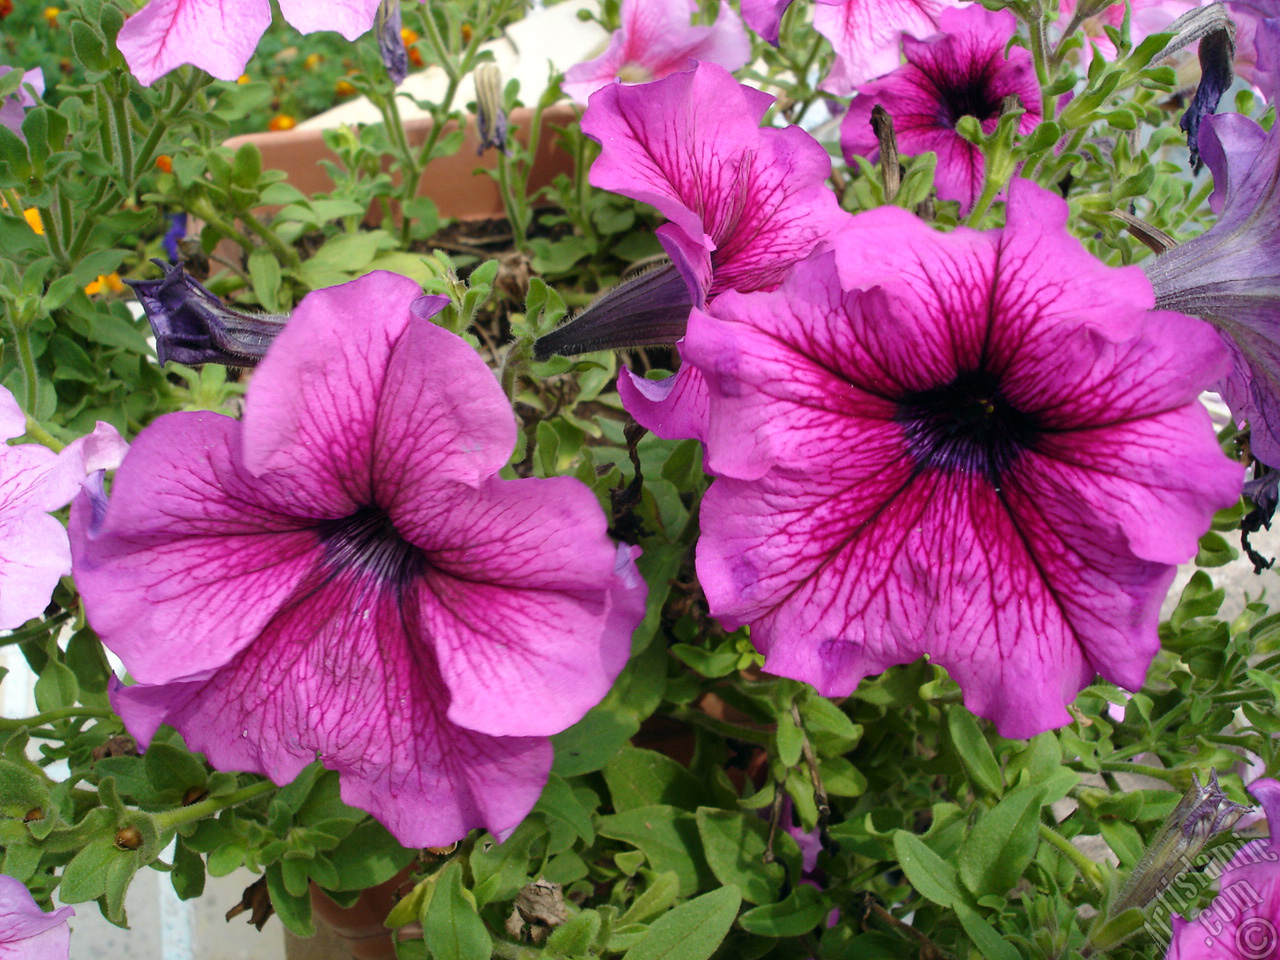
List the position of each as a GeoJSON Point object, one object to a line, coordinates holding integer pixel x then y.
{"type": "Point", "coordinates": [360, 925]}
{"type": "Point", "coordinates": [455, 183]}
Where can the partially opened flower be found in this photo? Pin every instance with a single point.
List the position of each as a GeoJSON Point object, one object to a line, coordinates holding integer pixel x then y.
{"type": "Point", "coordinates": [34, 553]}
{"type": "Point", "coordinates": [343, 576]}
{"type": "Point", "coordinates": [962, 71]}
{"type": "Point", "coordinates": [26, 931]}
{"type": "Point", "coordinates": [13, 109]}
{"type": "Point", "coordinates": [1243, 921]}
{"type": "Point", "coordinates": [656, 40]}
{"type": "Point", "coordinates": [1230, 274]}
{"type": "Point", "coordinates": [219, 36]}
{"type": "Point", "coordinates": [983, 447]}
{"type": "Point", "coordinates": [744, 205]}
{"type": "Point", "coordinates": [865, 35]}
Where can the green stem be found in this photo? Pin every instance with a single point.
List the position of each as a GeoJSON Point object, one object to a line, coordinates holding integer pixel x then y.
{"type": "Point", "coordinates": [696, 718]}
{"type": "Point", "coordinates": [172, 819]}
{"type": "Point", "coordinates": [22, 636]}
{"type": "Point", "coordinates": [285, 253]}
{"type": "Point", "coordinates": [38, 433]}
{"type": "Point", "coordinates": [26, 361]}
{"type": "Point", "coordinates": [203, 209]}
{"type": "Point", "coordinates": [989, 190]}
{"type": "Point", "coordinates": [53, 716]}
{"type": "Point", "coordinates": [1088, 869]}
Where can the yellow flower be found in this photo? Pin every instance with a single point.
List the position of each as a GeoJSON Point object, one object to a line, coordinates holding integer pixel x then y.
{"type": "Point", "coordinates": [312, 61]}
{"type": "Point", "coordinates": [282, 121]}
{"type": "Point", "coordinates": [243, 79]}
{"type": "Point", "coordinates": [51, 15]}
{"type": "Point", "coordinates": [109, 283]}
{"type": "Point", "coordinates": [32, 216]}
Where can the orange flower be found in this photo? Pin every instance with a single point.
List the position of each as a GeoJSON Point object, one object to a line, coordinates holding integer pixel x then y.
{"type": "Point", "coordinates": [344, 88]}
{"type": "Point", "coordinates": [6, 8]}
{"type": "Point", "coordinates": [282, 121]}
{"type": "Point", "coordinates": [164, 163]}
{"type": "Point", "coordinates": [312, 61]}
{"type": "Point", "coordinates": [110, 283]}
{"type": "Point", "coordinates": [410, 37]}
{"type": "Point", "coordinates": [243, 79]}
{"type": "Point", "coordinates": [51, 15]}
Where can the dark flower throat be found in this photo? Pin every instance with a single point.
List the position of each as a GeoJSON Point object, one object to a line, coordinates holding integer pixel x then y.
{"type": "Point", "coordinates": [368, 541]}
{"type": "Point", "coordinates": [966, 426]}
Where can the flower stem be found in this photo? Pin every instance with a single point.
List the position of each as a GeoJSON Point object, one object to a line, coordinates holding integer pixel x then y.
{"type": "Point", "coordinates": [52, 716]}
{"type": "Point", "coordinates": [39, 434]}
{"type": "Point", "coordinates": [26, 361]}
{"type": "Point", "coordinates": [1088, 869]}
{"type": "Point", "coordinates": [172, 819]}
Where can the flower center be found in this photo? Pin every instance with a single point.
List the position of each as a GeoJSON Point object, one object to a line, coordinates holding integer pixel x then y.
{"type": "Point", "coordinates": [368, 541]}
{"type": "Point", "coordinates": [969, 97]}
{"type": "Point", "coordinates": [966, 425]}
{"type": "Point", "coordinates": [632, 72]}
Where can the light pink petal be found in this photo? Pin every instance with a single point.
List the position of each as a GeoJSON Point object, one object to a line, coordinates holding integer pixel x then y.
{"type": "Point", "coordinates": [34, 555]}
{"type": "Point", "coordinates": [26, 931]}
{"type": "Point", "coordinates": [13, 422]}
{"type": "Point", "coordinates": [865, 35]}
{"type": "Point", "coordinates": [218, 36]}
{"type": "Point", "coordinates": [350, 18]}
{"type": "Point", "coordinates": [344, 677]}
{"type": "Point", "coordinates": [104, 449]}
{"type": "Point", "coordinates": [313, 431]}
{"type": "Point", "coordinates": [192, 550]}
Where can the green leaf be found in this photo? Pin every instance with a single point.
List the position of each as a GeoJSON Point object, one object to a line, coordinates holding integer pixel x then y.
{"type": "Point", "coordinates": [975, 752]}
{"type": "Point", "coordinates": [559, 802]}
{"type": "Point", "coordinates": [639, 778]}
{"type": "Point", "coordinates": [171, 770]}
{"type": "Point", "coordinates": [792, 917]}
{"type": "Point", "coordinates": [294, 911]}
{"type": "Point", "coordinates": [367, 856]}
{"type": "Point", "coordinates": [577, 936]}
{"type": "Point", "coordinates": [692, 931]}
{"type": "Point", "coordinates": [188, 871]}
{"type": "Point", "coordinates": [669, 840]}
{"type": "Point", "coordinates": [450, 925]}
{"type": "Point", "coordinates": [789, 738]}
{"type": "Point", "coordinates": [499, 870]}
{"type": "Point", "coordinates": [734, 844]}
{"type": "Point", "coordinates": [264, 271]}
{"type": "Point", "coordinates": [1002, 843]}
{"type": "Point", "coordinates": [57, 686]}
{"type": "Point", "coordinates": [933, 877]}
{"type": "Point", "coordinates": [657, 897]}
{"type": "Point", "coordinates": [990, 944]}
{"type": "Point", "coordinates": [592, 741]}
{"type": "Point", "coordinates": [88, 46]}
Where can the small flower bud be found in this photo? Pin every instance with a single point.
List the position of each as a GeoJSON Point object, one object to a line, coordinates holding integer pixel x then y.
{"type": "Point", "coordinates": [129, 838]}
{"type": "Point", "coordinates": [35, 813]}
{"type": "Point", "coordinates": [490, 117]}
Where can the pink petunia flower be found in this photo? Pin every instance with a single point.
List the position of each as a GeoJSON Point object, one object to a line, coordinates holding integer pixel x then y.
{"type": "Point", "coordinates": [26, 931]}
{"type": "Point", "coordinates": [656, 40]}
{"type": "Point", "coordinates": [744, 205]}
{"type": "Point", "coordinates": [963, 71]}
{"type": "Point", "coordinates": [865, 35]}
{"type": "Point", "coordinates": [14, 108]}
{"type": "Point", "coordinates": [343, 576]}
{"type": "Point", "coordinates": [1228, 274]}
{"type": "Point", "coordinates": [34, 553]}
{"type": "Point", "coordinates": [219, 36]}
{"type": "Point", "coordinates": [983, 447]}
{"type": "Point", "coordinates": [1243, 921]}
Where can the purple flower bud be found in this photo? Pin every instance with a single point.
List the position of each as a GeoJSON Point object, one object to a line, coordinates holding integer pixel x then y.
{"type": "Point", "coordinates": [192, 326]}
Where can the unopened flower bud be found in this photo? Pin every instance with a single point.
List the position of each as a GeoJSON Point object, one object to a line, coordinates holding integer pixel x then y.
{"type": "Point", "coordinates": [129, 838]}
{"type": "Point", "coordinates": [490, 117]}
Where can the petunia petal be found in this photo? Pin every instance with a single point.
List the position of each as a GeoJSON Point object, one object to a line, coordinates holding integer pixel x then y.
{"type": "Point", "coordinates": [217, 36]}
{"type": "Point", "coordinates": [26, 931]}
{"type": "Point", "coordinates": [350, 18]}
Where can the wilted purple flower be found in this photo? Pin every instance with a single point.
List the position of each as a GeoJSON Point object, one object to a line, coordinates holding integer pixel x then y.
{"type": "Point", "coordinates": [13, 109]}
{"type": "Point", "coordinates": [491, 118]}
{"type": "Point", "coordinates": [34, 553]}
{"type": "Point", "coordinates": [865, 34]}
{"type": "Point", "coordinates": [984, 447]}
{"type": "Point", "coordinates": [656, 40]}
{"type": "Point", "coordinates": [26, 931]}
{"type": "Point", "coordinates": [193, 326]}
{"type": "Point", "coordinates": [1230, 274]}
{"type": "Point", "coordinates": [219, 36]}
{"type": "Point", "coordinates": [744, 205]}
{"type": "Point", "coordinates": [1243, 922]}
{"type": "Point", "coordinates": [963, 71]}
{"type": "Point", "coordinates": [395, 55]}
{"type": "Point", "coordinates": [343, 576]}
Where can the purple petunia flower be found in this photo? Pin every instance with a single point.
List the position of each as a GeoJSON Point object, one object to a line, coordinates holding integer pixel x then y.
{"type": "Point", "coordinates": [744, 205]}
{"type": "Point", "coordinates": [34, 553]}
{"type": "Point", "coordinates": [176, 233]}
{"type": "Point", "coordinates": [656, 40]}
{"type": "Point", "coordinates": [1229, 275]}
{"type": "Point", "coordinates": [219, 36]}
{"type": "Point", "coordinates": [342, 576]}
{"type": "Point", "coordinates": [983, 447]}
{"type": "Point", "coordinates": [13, 109]}
{"type": "Point", "coordinates": [1243, 921]}
{"type": "Point", "coordinates": [963, 71]}
{"type": "Point", "coordinates": [26, 931]}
